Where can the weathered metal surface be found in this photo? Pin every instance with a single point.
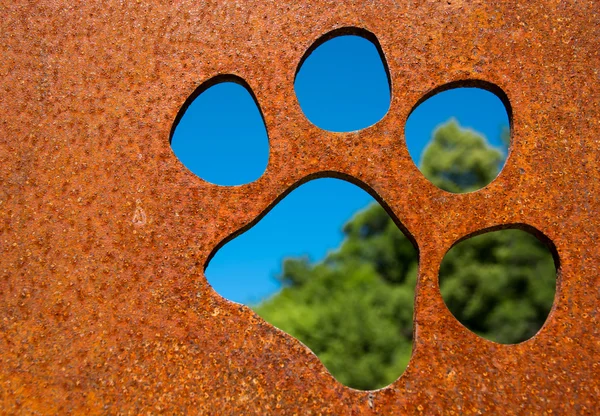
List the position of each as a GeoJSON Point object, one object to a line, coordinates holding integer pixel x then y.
{"type": "Point", "coordinates": [104, 233]}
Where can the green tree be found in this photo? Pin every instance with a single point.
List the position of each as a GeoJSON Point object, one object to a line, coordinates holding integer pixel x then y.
{"type": "Point", "coordinates": [460, 160]}
{"type": "Point", "coordinates": [500, 284]}
{"type": "Point", "coordinates": [354, 309]}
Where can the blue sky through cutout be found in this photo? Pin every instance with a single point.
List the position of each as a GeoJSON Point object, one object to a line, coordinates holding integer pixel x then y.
{"type": "Point", "coordinates": [222, 137]}
{"type": "Point", "coordinates": [343, 86]}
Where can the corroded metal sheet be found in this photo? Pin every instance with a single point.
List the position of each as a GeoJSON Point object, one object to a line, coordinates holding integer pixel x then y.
{"type": "Point", "coordinates": [104, 234]}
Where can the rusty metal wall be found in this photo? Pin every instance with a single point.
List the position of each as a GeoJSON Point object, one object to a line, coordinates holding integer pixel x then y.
{"type": "Point", "coordinates": [104, 234]}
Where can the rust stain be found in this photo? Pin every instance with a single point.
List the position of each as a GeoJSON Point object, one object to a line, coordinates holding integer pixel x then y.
{"type": "Point", "coordinates": [96, 318]}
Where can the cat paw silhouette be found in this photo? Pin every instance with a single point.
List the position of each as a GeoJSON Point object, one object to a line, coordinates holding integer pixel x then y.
{"type": "Point", "coordinates": [221, 135]}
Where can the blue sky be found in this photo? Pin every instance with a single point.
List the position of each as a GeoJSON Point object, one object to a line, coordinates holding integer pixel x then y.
{"type": "Point", "coordinates": [341, 86]}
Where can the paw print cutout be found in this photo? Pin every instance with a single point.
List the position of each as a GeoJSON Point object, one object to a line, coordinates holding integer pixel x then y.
{"type": "Point", "coordinates": [375, 156]}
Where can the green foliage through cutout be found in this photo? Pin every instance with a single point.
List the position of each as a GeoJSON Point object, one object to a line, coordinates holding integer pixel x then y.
{"type": "Point", "coordinates": [500, 284]}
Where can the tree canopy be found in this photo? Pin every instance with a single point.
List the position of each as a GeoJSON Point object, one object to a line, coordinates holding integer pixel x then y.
{"type": "Point", "coordinates": [354, 309]}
